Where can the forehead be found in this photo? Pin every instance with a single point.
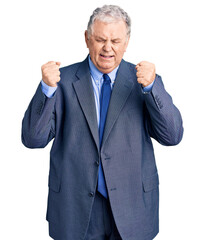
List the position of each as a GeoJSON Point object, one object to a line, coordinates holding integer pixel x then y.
{"type": "Point", "coordinates": [115, 29]}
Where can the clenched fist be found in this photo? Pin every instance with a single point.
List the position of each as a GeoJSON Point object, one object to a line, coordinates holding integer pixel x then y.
{"type": "Point", "coordinates": [145, 73]}
{"type": "Point", "coordinates": [51, 73]}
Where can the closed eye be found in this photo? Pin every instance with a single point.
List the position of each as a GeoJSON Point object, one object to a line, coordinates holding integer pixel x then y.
{"type": "Point", "coordinates": [115, 41]}
{"type": "Point", "coordinates": [100, 40]}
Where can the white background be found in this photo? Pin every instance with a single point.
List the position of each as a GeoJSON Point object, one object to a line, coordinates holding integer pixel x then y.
{"type": "Point", "coordinates": [167, 33]}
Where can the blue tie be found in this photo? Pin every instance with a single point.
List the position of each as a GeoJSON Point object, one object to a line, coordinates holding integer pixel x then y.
{"type": "Point", "coordinates": [104, 103]}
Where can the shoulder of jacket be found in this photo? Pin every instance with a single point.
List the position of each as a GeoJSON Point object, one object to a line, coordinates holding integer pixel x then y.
{"type": "Point", "coordinates": [131, 67]}
{"type": "Point", "coordinates": [67, 73]}
{"type": "Point", "coordinates": [69, 68]}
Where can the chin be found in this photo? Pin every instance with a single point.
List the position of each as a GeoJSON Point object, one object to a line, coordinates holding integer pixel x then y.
{"type": "Point", "coordinates": [106, 70]}
{"type": "Point", "coordinates": [107, 67]}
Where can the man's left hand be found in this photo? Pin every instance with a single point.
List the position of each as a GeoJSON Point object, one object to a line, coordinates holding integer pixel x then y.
{"type": "Point", "coordinates": [145, 73]}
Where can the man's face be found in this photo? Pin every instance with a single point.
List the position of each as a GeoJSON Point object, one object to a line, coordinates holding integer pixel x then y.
{"type": "Point", "coordinates": [107, 44]}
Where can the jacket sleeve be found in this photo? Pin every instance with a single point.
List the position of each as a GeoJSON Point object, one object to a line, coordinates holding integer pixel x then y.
{"type": "Point", "coordinates": [163, 119]}
{"type": "Point", "coordinates": [38, 125]}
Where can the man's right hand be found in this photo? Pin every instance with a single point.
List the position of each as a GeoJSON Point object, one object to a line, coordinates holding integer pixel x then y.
{"type": "Point", "coordinates": [51, 73]}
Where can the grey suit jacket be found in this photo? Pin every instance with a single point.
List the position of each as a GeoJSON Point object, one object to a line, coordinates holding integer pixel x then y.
{"type": "Point", "coordinates": [127, 153]}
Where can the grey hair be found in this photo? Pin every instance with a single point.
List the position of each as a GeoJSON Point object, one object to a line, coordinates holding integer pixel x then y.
{"type": "Point", "coordinates": [108, 14]}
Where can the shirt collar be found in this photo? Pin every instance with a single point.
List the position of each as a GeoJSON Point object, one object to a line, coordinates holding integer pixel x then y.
{"type": "Point", "coordinates": [97, 75]}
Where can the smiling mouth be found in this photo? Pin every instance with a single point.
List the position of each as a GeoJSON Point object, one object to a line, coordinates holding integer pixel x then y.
{"type": "Point", "coordinates": [106, 57]}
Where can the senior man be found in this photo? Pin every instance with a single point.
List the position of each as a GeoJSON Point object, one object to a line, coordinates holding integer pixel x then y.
{"type": "Point", "coordinates": [102, 114]}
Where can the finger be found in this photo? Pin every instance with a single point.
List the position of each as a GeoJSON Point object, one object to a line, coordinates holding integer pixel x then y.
{"type": "Point", "coordinates": [143, 63]}
{"type": "Point", "coordinates": [139, 74]}
{"type": "Point", "coordinates": [47, 64]}
{"type": "Point", "coordinates": [140, 80]}
{"type": "Point", "coordinates": [53, 63]}
{"type": "Point", "coordinates": [137, 66]}
{"type": "Point", "coordinates": [54, 67]}
{"type": "Point", "coordinates": [141, 71]}
{"type": "Point", "coordinates": [52, 73]}
{"type": "Point", "coordinates": [50, 63]}
{"type": "Point", "coordinates": [51, 68]}
{"type": "Point", "coordinates": [57, 73]}
{"type": "Point", "coordinates": [58, 79]}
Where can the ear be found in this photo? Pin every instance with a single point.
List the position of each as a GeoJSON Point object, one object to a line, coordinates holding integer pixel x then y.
{"type": "Point", "coordinates": [126, 44]}
{"type": "Point", "coordinates": [86, 38]}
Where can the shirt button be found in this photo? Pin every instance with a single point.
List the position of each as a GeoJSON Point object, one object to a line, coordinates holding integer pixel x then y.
{"type": "Point", "coordinates": [91, 194]}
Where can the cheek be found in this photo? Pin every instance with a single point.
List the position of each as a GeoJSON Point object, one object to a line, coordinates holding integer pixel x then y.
{"type": "Point", "coordinates": [120, 52]}
{"type": "Point", "coordinates": [95, 50]}
{"type": "Point", "coordinates": [120, 49]}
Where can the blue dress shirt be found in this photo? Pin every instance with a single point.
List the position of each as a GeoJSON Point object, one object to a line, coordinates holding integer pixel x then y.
{"type": "Point", "coordinates": [97, 81]}
{"type": "Point", "coordinates": [48, 90]}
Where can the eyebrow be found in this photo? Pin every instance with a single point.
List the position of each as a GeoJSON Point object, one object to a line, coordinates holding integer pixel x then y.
{"type": "Point", "coordinates": [101, 38]}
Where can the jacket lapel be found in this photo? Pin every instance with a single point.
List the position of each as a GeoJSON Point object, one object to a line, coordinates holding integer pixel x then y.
{"type": "Point", "coordinates": [84, 90]}
{"type": "Point", "coordinates": [121, 90]}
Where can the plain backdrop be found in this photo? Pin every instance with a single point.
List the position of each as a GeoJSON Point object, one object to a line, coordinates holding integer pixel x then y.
{"type": "Point", "coordinates": [168, 33]}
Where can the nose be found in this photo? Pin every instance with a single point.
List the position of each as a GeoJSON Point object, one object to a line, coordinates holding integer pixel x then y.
{"type": "Point", "coordinates": [107, 46]}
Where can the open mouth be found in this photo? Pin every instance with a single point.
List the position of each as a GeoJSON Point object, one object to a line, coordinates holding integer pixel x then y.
{"type": "Point", "coordinates": [106, 56]}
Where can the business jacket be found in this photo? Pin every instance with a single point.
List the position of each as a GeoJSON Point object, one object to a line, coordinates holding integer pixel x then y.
{"type": "Point", "coordinates": [126, 153]}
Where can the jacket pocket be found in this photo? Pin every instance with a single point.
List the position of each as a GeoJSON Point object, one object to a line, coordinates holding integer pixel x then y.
{"type": "Point", "coordinates": [150, 183]}
{"type": "Point", "coordinates": [54, 183]}
{"type": "Point", "coordinates": [151, 195]}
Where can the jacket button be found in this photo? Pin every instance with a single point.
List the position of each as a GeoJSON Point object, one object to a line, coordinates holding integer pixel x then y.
{"type": "Point", "coordinates": [91, 194]}
{"type": "Point", "coordinates": [97, 162]}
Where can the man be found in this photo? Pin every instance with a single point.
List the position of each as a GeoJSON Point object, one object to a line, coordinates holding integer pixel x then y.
{"type": "Point", "coordinates": [102, 114]}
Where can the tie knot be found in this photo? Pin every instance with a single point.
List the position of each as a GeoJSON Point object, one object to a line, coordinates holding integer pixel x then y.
{"type": "Point", "coordinates": [106, 78]}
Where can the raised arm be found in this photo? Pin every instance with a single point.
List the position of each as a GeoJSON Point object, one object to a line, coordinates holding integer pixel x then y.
{"type": "Point", "coordinates": [162, 118]}
{"type": "Point", "coordinates": [38, 125]}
